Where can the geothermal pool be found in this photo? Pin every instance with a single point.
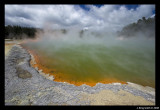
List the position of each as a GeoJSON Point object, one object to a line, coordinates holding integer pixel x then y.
{"type": "Point", "coordinates": [92, 60]}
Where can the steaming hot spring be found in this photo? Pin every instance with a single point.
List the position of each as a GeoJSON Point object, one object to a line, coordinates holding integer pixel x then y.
{"type": "Point", "coordinates": [89, 57]}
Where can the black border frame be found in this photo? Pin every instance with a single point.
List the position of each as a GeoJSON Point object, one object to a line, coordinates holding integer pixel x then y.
{"type": "Point", "coordinates": [21, 2]}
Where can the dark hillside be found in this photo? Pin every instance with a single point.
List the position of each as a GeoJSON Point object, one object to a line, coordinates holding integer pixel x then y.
{"type": "Point", "coordinates": [143, 27]}
{"type": "Point", "coordinates": [18, 32]}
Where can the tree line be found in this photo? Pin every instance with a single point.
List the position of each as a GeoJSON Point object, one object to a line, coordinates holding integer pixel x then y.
{"type": "Point", "coordinates": [18, 32]}
{"type": "Point", "coordinates": [143, 26]}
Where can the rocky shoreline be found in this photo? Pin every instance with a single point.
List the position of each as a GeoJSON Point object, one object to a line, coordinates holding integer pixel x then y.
{"type": "Point", "coordinates": [24, 85]}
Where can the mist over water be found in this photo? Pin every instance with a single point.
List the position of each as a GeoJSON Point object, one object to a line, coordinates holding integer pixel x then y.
{"type": "Point", "coordinates": [91, 55]}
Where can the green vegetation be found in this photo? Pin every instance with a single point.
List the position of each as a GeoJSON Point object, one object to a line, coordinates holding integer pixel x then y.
{"type": "Point", "coordinates": [81, 33]}
{"type": "Point", "coordinates": [143, 27]}
{"type": "Point", "coordinates": [64, 31]}
{"type": "Point", "coordinates": [18, 32]}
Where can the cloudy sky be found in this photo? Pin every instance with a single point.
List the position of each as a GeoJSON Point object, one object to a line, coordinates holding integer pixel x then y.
{"type": "Point", "coordinates": [108, 17]}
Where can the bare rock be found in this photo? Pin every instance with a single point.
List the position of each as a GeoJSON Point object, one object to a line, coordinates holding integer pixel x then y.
{"type": "Point", "coordinates": [23, 73]}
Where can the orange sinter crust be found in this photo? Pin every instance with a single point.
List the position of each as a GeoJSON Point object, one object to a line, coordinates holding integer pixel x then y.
{"type": "Point", "coordinates": [60, 77]}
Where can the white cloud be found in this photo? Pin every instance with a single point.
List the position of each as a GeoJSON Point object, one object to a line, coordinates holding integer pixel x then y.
{"type": "Point", "coordinates": [152, 16]}
{"type": "Point", "coordinates": [108, 17]}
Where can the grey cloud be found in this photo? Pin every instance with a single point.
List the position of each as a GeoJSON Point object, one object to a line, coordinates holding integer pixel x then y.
{"type": "Point", "coordinates": [105, 17]}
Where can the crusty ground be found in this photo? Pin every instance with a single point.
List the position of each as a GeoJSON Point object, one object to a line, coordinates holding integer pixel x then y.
{"type": "Point", "coordinates": [9, 43]}
{"type": "Point", "coordinates": [108, 97]}
{"type": "Point", "coordinates": [7, 48]}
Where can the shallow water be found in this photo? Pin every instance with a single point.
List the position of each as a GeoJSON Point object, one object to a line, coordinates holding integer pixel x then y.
{"type": "Point", "coordinates": [98, 60]}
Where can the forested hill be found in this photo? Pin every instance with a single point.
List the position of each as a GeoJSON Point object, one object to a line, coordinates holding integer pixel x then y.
{"type": "Point", "coordinates": [18, 32]}
{"type": "Point", "coordinates": [143, 27]}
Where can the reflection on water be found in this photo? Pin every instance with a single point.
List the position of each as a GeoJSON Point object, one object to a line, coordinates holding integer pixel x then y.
{"type": "Point", "coordinates": [82, 62]}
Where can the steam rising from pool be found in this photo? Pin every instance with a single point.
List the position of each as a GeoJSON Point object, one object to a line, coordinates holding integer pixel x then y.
{"type": "Point", "coordinates": [94, 56]}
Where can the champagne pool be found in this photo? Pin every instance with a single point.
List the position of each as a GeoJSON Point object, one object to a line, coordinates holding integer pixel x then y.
{"type": "Point", "coordinates": [90, 60]}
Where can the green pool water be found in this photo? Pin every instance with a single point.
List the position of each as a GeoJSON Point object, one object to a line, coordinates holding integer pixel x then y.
{"type": "Point", "coordinates": [129, 60]}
